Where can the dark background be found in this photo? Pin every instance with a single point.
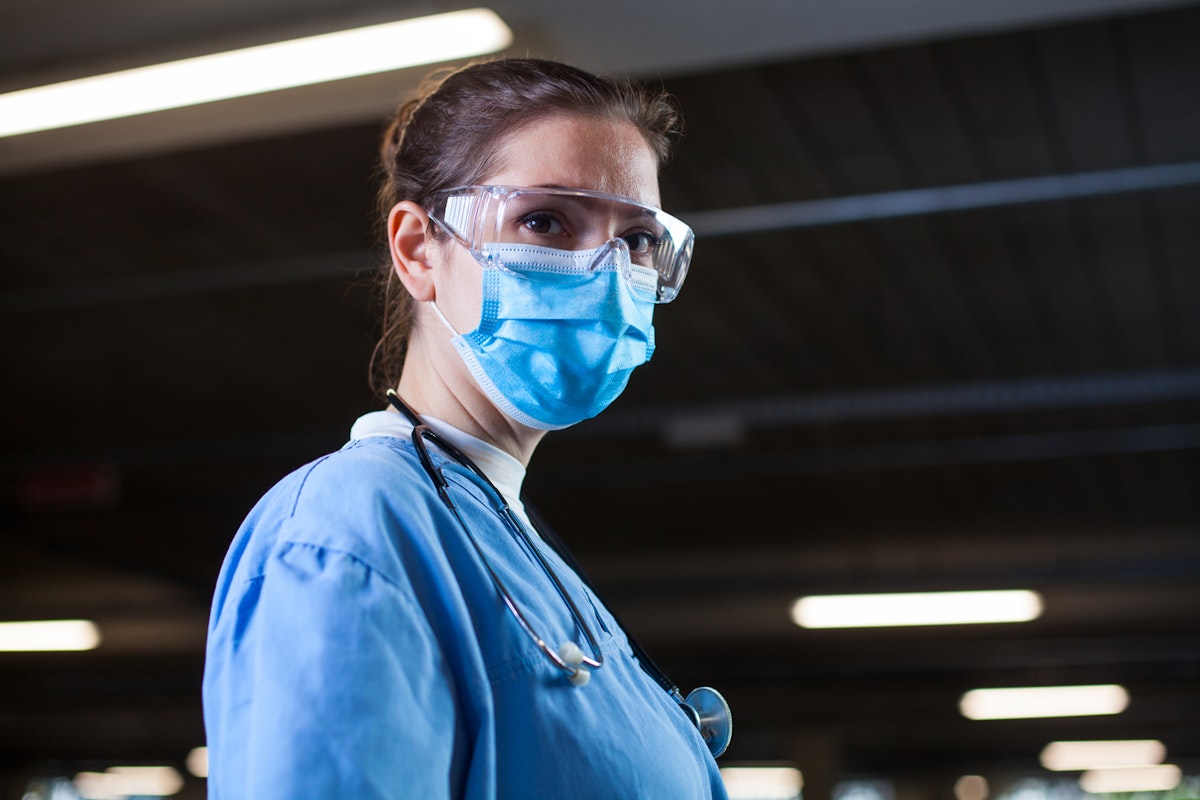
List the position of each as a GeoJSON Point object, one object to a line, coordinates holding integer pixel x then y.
{"type": "Point", "coordinates": [997, 396]}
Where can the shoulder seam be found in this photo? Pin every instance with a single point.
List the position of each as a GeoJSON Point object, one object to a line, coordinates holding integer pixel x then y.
{"type": "Point", "coordinates": [304, 480]}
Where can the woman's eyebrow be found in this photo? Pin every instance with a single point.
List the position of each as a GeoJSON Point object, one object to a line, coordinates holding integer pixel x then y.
{"type": "Point", "coordinates": [636, 210]}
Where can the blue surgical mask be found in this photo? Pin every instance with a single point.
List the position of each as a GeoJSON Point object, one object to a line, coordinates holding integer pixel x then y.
{"type": "Point", "coordinates": [559, 332]}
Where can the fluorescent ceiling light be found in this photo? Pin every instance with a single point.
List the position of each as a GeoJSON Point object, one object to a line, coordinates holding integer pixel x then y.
{"type": "Point", "coordinates": [197, 762]}
{"type": "Point", "coordinates": [916, 608]}
{"type": "Point", "coordinates": [971, 787]}
{"type": "Point", "coordinates": [1044, 701]}
{"type": "Point", "coordinates": [253, 70]}
{"type": "Point", "coordinates": [1131, 779]}
{"type": "Point", "coordinates": [1060, 756]}
{"type": "Point", "coordinates": [762, 783]}
{"type": "Point", "coordinates": [49, 635]}
{"type": "Point", "coordinates": [124, 782]}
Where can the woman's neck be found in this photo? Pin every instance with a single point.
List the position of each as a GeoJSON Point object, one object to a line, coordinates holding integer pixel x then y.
{"type": "Point", "coordinates": [441, 387]}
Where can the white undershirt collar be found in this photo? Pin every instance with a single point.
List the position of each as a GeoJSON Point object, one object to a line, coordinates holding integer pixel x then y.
{"type": "Point", "coordinates": [502, 469]}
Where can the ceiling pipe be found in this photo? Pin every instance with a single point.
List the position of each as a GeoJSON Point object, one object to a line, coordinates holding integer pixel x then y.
{"type": "Point", "coordinates": [940, 199]}
{"type": "Point", "coordinates": [724, 222]}
{"type": "Point", "coordinates": [347, 265]}
{"type": "Point", "coordinates": [723, 422]}
{"type": "Point", "coordinates": [711, 425]}
{"type": "Point", "coordinates": [747, 465]}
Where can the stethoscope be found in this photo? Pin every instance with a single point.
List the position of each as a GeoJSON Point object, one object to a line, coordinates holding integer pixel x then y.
{"type": "Point", "coordinates": [704, 706]}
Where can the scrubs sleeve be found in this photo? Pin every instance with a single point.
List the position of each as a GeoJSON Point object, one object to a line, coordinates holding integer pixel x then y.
{"type": "Point", "coordinates": [351, 696]}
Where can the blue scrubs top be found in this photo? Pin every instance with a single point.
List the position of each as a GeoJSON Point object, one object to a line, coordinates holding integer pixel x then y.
{"type": "Point", "coordinates": [358, 648]}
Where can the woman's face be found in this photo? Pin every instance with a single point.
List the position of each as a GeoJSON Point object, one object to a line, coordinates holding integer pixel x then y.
{"type": "Point", "coordinates": [562, 151]}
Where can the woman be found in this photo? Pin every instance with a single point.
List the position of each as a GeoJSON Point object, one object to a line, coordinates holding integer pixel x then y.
{"type": "Point", "coordinates": [388, 620]}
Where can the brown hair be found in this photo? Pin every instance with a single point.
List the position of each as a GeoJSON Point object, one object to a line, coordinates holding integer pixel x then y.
{"type": "Point", "coordinates": [449, 135]}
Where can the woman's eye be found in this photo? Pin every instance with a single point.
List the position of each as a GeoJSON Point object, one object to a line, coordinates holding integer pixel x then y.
{"type": "Point", "coordinates": [640, 241]}
{"type": "Point", "coordinates": [542, 223]}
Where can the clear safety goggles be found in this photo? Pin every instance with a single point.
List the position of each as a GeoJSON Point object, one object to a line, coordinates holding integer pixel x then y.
{"type": "Point", "coordinates": [569, 219]}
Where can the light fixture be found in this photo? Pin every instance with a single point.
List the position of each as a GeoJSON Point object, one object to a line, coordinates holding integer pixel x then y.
{"type": "Point", "coordinates": [1044, 701]}
{"type": "Point", "coordinates": [254, 70]}
{"type": "Point", "coordinates": [1064, 756]}
{"type": "Point", "coordinates": [1161, 778]}
{"type": "Point", "coordinates": [762, 783]}
{"type": "Point", "coordinates": [197, 762]}
{"type": "Point", "coordinates": [123, 782]}
{"type": "Point", "coordinates": [916, 608]}
{"type": "Point", "coordinates": [49, 635]}
{"type": "Point", "coordinates": [971, 787]}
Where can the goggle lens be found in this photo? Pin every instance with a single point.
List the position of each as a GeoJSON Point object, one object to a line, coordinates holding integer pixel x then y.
{"type": "Point", "coordinates": [571, 219]}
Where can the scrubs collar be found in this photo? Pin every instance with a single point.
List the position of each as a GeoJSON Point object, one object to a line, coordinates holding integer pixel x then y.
{"type": "Point", "coordinates": [504, 470]}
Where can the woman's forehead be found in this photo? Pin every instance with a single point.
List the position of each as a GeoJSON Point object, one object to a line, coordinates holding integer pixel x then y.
{"type": "Point", "coordinates": [578, 151]}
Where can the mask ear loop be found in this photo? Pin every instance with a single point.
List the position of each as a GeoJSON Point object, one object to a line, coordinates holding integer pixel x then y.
{"type": "Point", "coordinates": [433, 304]}
{"type": "Point", "coordinates": [461, 214]}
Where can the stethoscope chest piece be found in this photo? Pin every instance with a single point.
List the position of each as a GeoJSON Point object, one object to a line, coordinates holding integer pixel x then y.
{"type": "Point", "coordinates": [715, 718]}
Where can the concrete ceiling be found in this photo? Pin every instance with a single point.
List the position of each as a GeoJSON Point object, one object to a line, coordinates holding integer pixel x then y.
{"type": "Point", "coordinates": [997, 394]}
{"type": "Point", "coordinates": [45, 42]}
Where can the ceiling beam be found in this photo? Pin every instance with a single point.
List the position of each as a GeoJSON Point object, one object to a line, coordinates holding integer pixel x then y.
{"type": "Point", "coordinates": [941, 199]}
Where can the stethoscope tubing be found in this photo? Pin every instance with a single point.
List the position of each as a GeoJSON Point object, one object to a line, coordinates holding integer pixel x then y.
{"type": "Point", "coordinates": [421, 432]}
{"type": "Point", "coordinates": [704, 707]}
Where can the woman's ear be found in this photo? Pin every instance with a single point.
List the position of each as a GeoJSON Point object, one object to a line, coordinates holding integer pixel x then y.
{"type": "Point", "coordinates": [409, 240]}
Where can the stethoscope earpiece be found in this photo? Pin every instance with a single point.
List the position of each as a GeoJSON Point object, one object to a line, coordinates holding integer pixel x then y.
{"type": "Point", "coordinates": [572, 654]}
